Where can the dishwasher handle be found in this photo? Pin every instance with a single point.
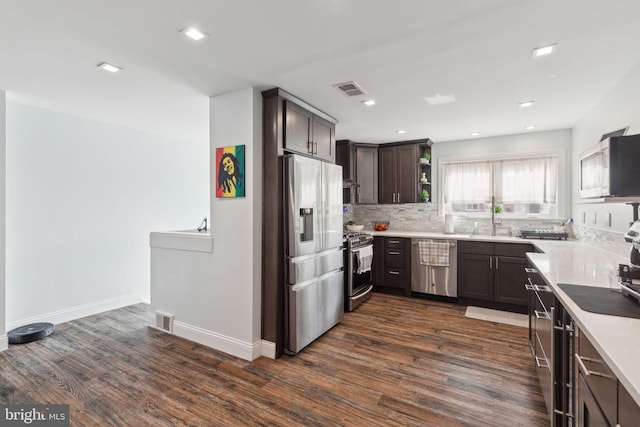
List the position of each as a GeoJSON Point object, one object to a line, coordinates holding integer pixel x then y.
{"type": "Point", "coordinates": [452, 243]}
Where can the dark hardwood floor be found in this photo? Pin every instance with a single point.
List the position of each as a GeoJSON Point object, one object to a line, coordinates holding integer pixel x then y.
{"type": "Point", "coordinates": [395, 361]}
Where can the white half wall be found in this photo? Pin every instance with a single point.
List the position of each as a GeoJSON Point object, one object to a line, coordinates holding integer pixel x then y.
{"type": "Point", "coordinates": [3, 186]}
{"type": "Point", "coordinates": [617, 110]}
{"type": "Point", "coordinates": [215, 297]}
{"type": "Point", "coordinates": [82, 198]}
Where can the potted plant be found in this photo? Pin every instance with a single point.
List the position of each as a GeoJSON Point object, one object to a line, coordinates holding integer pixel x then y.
{"type": "Point", "coordinates": [424, 195]}
{"type": "Point", "coordinates": [425, 159]}
{"type": "Point", "coordinates": [497, 209]}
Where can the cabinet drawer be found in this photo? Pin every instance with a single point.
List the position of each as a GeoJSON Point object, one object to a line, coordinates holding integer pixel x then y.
{"type": "Point", "coordinates": [599, 378]}
{"type": "Point", "coordinates": [396, 277]}
{"type": "Point", "coordinates": [512, 249]}
{"type": "Point", "coordinates": [394, 257]}
{"type": "Point", "coordinates": [394, 242]}
{"type": "Point", "coordinates": [478, 248]}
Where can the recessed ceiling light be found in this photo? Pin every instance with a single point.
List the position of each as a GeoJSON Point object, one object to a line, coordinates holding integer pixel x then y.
{"type": "Point", "coordinates": [109, 67]}
{"type": "Point", "coordinates": [544, 50]}
{"type": "Point", "coordinates": [440, 99]}
{"type": "Point", "coordinates": [401, 131]}
{"type": "Point", "coordinates": [475, 133]}
{"type": "Point", "coordinates": [369, 102]}
{"type": "Point", "coordinates": [194, 33]}
{"type": "Point", "coordinates": [530, 127]}
{"type": "Point", "coordinates": [526, 104]}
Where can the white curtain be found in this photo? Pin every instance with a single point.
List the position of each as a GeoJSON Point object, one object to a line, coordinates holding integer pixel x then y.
{"type": "Point", "coordinates": [516, 182]}
{"type": "Point", "coordinates": [531, 180]}
{"type": "Point", "coordinates": [468, 182]}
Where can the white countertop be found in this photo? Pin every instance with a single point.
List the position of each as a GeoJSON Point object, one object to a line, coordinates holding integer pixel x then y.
{"type": "Point", "coordinates": [440, 235]}
{"type": "Point", "coordinates": [617, 339]}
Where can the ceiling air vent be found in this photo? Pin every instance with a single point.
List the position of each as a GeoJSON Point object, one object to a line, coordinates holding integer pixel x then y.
{"type": "Point", "coordinates": [350, 89]}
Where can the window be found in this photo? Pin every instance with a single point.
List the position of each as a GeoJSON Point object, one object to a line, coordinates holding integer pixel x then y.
{"type": "Point", "coordinates": [521, 186]}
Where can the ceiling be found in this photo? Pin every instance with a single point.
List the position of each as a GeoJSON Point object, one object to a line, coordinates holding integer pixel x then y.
{"type": "Point", "coordinates": [399, 52]}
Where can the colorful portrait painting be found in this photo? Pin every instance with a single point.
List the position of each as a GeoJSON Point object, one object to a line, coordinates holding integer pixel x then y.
{"type": "Point", "coordinates": [230, 171]}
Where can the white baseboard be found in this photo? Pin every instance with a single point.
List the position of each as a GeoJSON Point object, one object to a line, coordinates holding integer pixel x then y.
{"type": "Point", "coordinates": [268, 349]}
{"type": "Point", "coordinates": [233, 346]}
{"type": "Point", "coordinates": [4, 342]}
{"type": "Point", "coordinates": [72, 313]}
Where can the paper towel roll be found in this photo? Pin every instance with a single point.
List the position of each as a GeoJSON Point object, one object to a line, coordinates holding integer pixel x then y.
{"type": "Point", "coordinates": [448, 224]}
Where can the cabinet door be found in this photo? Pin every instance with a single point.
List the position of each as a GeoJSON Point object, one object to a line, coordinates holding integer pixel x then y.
{"type": "Point", "coordinates": [297, 128]}
{"type": "Point", "coordinates": [510, 279]}
{"type": "Point", "coordinates": [324, 140]}
{"type": "Point", "coordinates": [366, 175]}
{"type": "Point", "coordinates": [407, 173]}
{"type": "Point", "coordinates": [589, 413]}
{"type": "Point", "coordinates": [475, 276]}
{"type": "Point", "coordinates": [387, 175]}
{"type": "Point", "coordinates": [628, 409]}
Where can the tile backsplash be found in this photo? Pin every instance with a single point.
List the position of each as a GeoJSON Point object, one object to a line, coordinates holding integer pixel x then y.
{"type": "Point", "coordinates": [424, 217]}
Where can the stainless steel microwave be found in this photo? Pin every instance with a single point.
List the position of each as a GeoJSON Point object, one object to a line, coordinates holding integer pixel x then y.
{"type": "Point", "coordinates": [611, 168]}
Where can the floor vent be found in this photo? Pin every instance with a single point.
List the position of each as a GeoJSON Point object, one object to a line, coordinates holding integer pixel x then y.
{"type": "Point", "coordinates": [164, 321]}
{"type": "Point", "coordinates": [350, 89]}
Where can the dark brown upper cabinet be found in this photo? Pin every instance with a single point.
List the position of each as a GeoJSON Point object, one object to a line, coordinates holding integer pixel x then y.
{"type": "Point", "coordinates": [359, 163]}
{"type": "Point", "coordinates": [398, 174]}
{"type": "Point", "coordinates": [308, 133]}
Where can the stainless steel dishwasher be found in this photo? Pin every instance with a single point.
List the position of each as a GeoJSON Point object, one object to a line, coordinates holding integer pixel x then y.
{"type": "Point", "coordinates": [427, 279]}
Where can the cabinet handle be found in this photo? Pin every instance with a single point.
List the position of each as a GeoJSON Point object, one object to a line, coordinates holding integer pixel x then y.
{"type": "Point", "coordinates": [528, 287]}
{"type": "Point", "coordinates": [531, 270]}
{"type": "Point", "coordinates": [398, 197]}
{"type": "Point", "coordinates": [315, 148]}
{"type": "Point", "coordinates": [394, 253]}
{"type": "Point", "coordinates": [497, 265]}
{"type": "Point", "coordinates": [310, 147]}
{"type": "Point", "coordinates": [585, 371]}
{"type": "Point", "coordinates": [490, 263]}
{"type": "Point", "coordinates": [542, 314]}
{"type": "Point", "coordinates": [395, 273]}
{"type": "Point", "coordinates": [395, 242]}
{"type": "Point", "coordinates": [394, 197]}
{"type": "Point", "coordinates": [540, 363]}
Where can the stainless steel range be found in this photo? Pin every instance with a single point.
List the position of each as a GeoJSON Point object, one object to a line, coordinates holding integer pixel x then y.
{"type": "Point", "coordinates": [358, 261]}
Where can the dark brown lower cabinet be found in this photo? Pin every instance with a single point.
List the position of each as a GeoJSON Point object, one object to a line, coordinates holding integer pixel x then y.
{"type": "Point", "coordinates": [493, 273]}
{"type": "Point", "coordinates": [628, 409]}
{"type": "Point", "coordinates": [392, 263]}
{"type": "Point", "coordinates": [589, 413]}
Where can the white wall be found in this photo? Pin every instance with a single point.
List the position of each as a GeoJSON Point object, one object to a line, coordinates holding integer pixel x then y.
{"type": "Point", "coordinates": [617, 110]}
{"type": "Point", "coordinates": [82, 197]}
{"type": "Point", "coordinates": [558, 142]}
{"type": "Point", "coordinates": [3, 145]}
{"type": "Point", "coordinates": [236, 118]}
{"type": "Point", "coordinates": [215, 297]}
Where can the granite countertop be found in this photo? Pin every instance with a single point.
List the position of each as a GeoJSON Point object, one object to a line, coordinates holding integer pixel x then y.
{"type": "Point", "coordinates": [617, 339]}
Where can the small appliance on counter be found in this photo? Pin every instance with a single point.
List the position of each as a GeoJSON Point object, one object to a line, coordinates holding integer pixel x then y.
{"type": "Point", "coordinates": [448, 224]}
{"type": "Point", "coordinates": [630, 273]}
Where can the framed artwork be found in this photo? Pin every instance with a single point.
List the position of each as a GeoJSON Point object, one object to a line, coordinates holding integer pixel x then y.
{"type": "Point", "coordinates": [230, 171]}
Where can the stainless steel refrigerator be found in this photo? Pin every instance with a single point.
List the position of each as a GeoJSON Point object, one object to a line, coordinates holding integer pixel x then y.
{"type": "Point", "coordinates": [314, 275]}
